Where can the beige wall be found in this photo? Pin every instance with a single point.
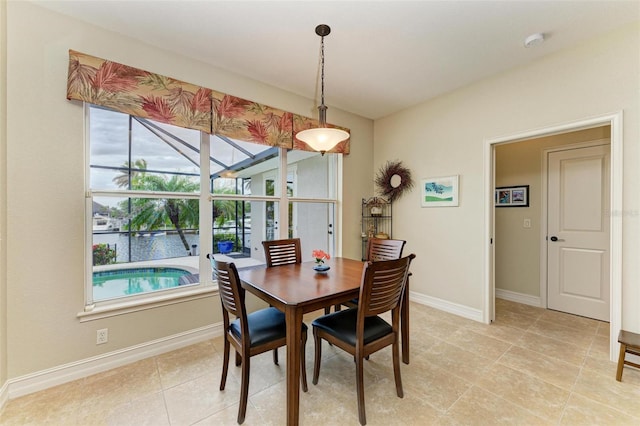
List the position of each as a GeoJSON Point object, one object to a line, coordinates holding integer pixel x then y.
{"type": "Point", "coordinates": [3, 194]}
{"type": "Point", "coordinates": [446, 136]}
{"type": "Point", "coordinates": [45, 201]}
{"type": "Point", "coordinates": [518, 249]}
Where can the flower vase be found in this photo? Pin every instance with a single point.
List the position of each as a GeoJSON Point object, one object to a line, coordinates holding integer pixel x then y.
{"type": "Point", "coordinates": [320, 256]}
{"type": "Point", "coordinates": [320, 266]}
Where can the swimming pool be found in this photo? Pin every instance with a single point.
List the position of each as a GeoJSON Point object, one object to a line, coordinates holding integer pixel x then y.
{"type": "Point", "coordinates": [125, 282]}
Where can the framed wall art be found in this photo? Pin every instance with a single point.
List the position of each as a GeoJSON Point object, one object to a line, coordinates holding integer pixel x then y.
{"type": "Point", "coordinates": [439, 191]}
{"type": "Point", "coordinates": [512, 196]}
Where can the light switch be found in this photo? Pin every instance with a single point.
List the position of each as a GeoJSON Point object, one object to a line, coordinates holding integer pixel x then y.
{"type": "Point", "coordinates": [526, 223]}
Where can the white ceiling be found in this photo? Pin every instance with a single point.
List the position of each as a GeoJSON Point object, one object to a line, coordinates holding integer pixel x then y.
{"type": "Point", "coordinates": [381, 56]}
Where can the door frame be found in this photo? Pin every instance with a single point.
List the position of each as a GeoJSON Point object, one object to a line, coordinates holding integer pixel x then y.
{"type": "Point", "coordinates": [615, 203]}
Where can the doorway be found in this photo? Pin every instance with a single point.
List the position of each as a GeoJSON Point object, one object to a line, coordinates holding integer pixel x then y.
{"type": "Point", "coordinates": [615, 205]}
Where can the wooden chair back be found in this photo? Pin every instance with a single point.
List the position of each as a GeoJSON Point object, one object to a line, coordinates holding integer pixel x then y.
{"type": "Point", "coordinates": [232, 295]}
{"type": "Point", "coordinates": [381, 290]}
{"type": "Point", "coordinates": [384, 249]}
{"type": "Point", "coordinates": [282, 252]}
{"type": "Point", "coordinates": [382, 286]}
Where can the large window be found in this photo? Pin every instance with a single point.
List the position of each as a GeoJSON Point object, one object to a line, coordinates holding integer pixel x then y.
{"type": "Point", "coordinates": [161, 197]}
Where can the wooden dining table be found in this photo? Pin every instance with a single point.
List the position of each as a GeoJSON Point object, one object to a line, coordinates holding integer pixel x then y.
{"type": "Point", "coordinates": [297, 289]}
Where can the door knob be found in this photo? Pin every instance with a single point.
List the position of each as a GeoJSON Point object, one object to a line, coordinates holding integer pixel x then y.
{"type": "Point", "coordinates": [554, 239]}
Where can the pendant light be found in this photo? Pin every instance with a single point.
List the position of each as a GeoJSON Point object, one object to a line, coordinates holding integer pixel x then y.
{"type": "Point", "coordinates": [322, 138]}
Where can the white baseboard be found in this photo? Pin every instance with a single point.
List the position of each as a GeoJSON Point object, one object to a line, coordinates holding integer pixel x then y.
{"type": "Point", "coordinates": [44, 379]}
{"type": "Point", "coordinates": [443, 305]}
{"type": "Point", "coordinates": [4, 395]}
{"type": "Point", "coordinates": [525, 299]}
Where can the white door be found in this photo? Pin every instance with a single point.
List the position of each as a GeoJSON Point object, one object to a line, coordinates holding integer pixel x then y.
{"type": "Point", "coordinates": [578, 232]}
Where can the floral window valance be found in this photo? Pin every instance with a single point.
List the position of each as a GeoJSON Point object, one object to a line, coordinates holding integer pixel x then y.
{"type": "Point", "coordinates": [148, 95]}
{"type": "Point", "coordinates": [137, 92]}
{"type": "Point", "coordinates": [241, 119]}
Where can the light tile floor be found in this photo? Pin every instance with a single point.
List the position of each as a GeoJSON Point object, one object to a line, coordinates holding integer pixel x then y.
{"type": "Point", "coordinates": [531, 367]}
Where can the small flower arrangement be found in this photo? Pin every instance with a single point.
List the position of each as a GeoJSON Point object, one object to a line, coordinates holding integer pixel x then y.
{"type": "Point", "coordinates": [320, 256]}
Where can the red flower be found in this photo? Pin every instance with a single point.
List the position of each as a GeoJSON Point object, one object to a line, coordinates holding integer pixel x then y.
{"type": "Point", "coordinates": [320, 255]}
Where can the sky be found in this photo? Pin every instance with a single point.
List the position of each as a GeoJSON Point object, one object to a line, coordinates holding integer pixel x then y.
{"type": "Point", "coordinates": [109, 147]}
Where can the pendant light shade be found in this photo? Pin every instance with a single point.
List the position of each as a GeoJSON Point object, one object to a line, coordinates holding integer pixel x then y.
{"type": "Point", "coordinates": [322, 138]}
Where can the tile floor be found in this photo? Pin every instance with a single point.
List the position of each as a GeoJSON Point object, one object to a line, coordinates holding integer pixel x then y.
{"type": "Point", "coordinates": [531, 367]}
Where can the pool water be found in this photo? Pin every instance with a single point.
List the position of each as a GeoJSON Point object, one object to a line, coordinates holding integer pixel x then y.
{"type": "Point", "coordinates": [125, 282]}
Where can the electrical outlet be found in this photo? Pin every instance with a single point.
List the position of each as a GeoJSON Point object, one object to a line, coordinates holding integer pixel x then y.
{"type": "Point", "coordinates": [102, 336]}
{"type": "Point", "coordinates": [526, 223]}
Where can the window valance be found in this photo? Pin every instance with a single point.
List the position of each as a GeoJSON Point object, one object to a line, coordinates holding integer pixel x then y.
{"type": "Point", "coordinates": [165, 99]}
{"type": "Point", "coordinates": [137, 92]}
{"type": "Point", "coordinates": [241, 119]}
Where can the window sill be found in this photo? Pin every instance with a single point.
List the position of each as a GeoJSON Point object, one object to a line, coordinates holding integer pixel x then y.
{"type": "Point", "coordinates": [125, 307]}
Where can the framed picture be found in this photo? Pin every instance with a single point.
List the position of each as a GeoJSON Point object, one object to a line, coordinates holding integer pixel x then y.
{"type": "Point", "coordinates": [439, 191]}
{"type": "Point", "coordinates": [512, 196]}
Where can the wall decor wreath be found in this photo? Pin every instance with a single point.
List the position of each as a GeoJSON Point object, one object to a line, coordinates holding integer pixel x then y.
{"type": "Point", "coordinates": [393, 180]}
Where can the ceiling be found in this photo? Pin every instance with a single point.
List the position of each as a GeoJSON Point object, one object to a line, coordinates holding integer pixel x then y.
{"type": "Point", "coordinates": [381, 56]}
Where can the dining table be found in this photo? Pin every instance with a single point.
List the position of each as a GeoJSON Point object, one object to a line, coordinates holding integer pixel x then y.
{"type": "Point", "coordinates": [296, 289]}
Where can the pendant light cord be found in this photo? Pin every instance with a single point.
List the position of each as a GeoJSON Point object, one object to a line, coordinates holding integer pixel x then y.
{"type": "Point", "coordinates": [322, 138]}
{"type": "Point", "coordinates": [322, 71]}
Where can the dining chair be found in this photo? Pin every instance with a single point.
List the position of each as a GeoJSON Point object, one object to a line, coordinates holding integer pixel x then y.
{"type": "Point", "coordinates": [282, 252]}
{"type": "Point", "coordinates": [384, 249]}
{"type": "Point", "coordinates": [249, 334]}
{"type": "Point", "coordinates": [361, 331]}
{"type": "Point", "coordinates": [379, 249]}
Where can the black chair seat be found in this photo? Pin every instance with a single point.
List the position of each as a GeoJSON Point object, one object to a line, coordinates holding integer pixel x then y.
{"type": "Point", "coordinates": [265, 325]}
{"type": "Point", "coordinates": [342, 324]}
{"type": "Point", "coordinates": [353, 302]}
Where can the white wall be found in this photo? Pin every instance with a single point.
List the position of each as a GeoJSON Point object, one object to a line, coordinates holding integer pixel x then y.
{"type": "Point", "coordinates": [445, 136]}
{"type": "Point", "coordinates": [45, 197]}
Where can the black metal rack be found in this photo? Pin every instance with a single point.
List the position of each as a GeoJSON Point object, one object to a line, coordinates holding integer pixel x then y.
{"type": "Point", "coordinates": [376, 220]}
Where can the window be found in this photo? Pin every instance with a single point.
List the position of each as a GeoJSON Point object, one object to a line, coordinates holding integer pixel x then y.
{"type": "Point", "coordinates": [144, 181]}
{"type": "Point", "coordinates": [311, 180]}
{"type": "Point", "coordinates": [154, 188]}
{"type": "Point", "coordinates": [272, 229]}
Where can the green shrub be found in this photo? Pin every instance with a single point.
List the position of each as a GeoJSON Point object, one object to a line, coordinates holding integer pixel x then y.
{"type": "Point", "coordinates": [103, 254]}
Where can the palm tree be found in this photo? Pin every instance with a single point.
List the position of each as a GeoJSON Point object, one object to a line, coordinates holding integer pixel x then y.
{"type": "Point", "coordinates": [122, 180]}
{"type": "Point", "coordinates": [224, 210]}
{"type": "Point", "coordinates": [152, 214]}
